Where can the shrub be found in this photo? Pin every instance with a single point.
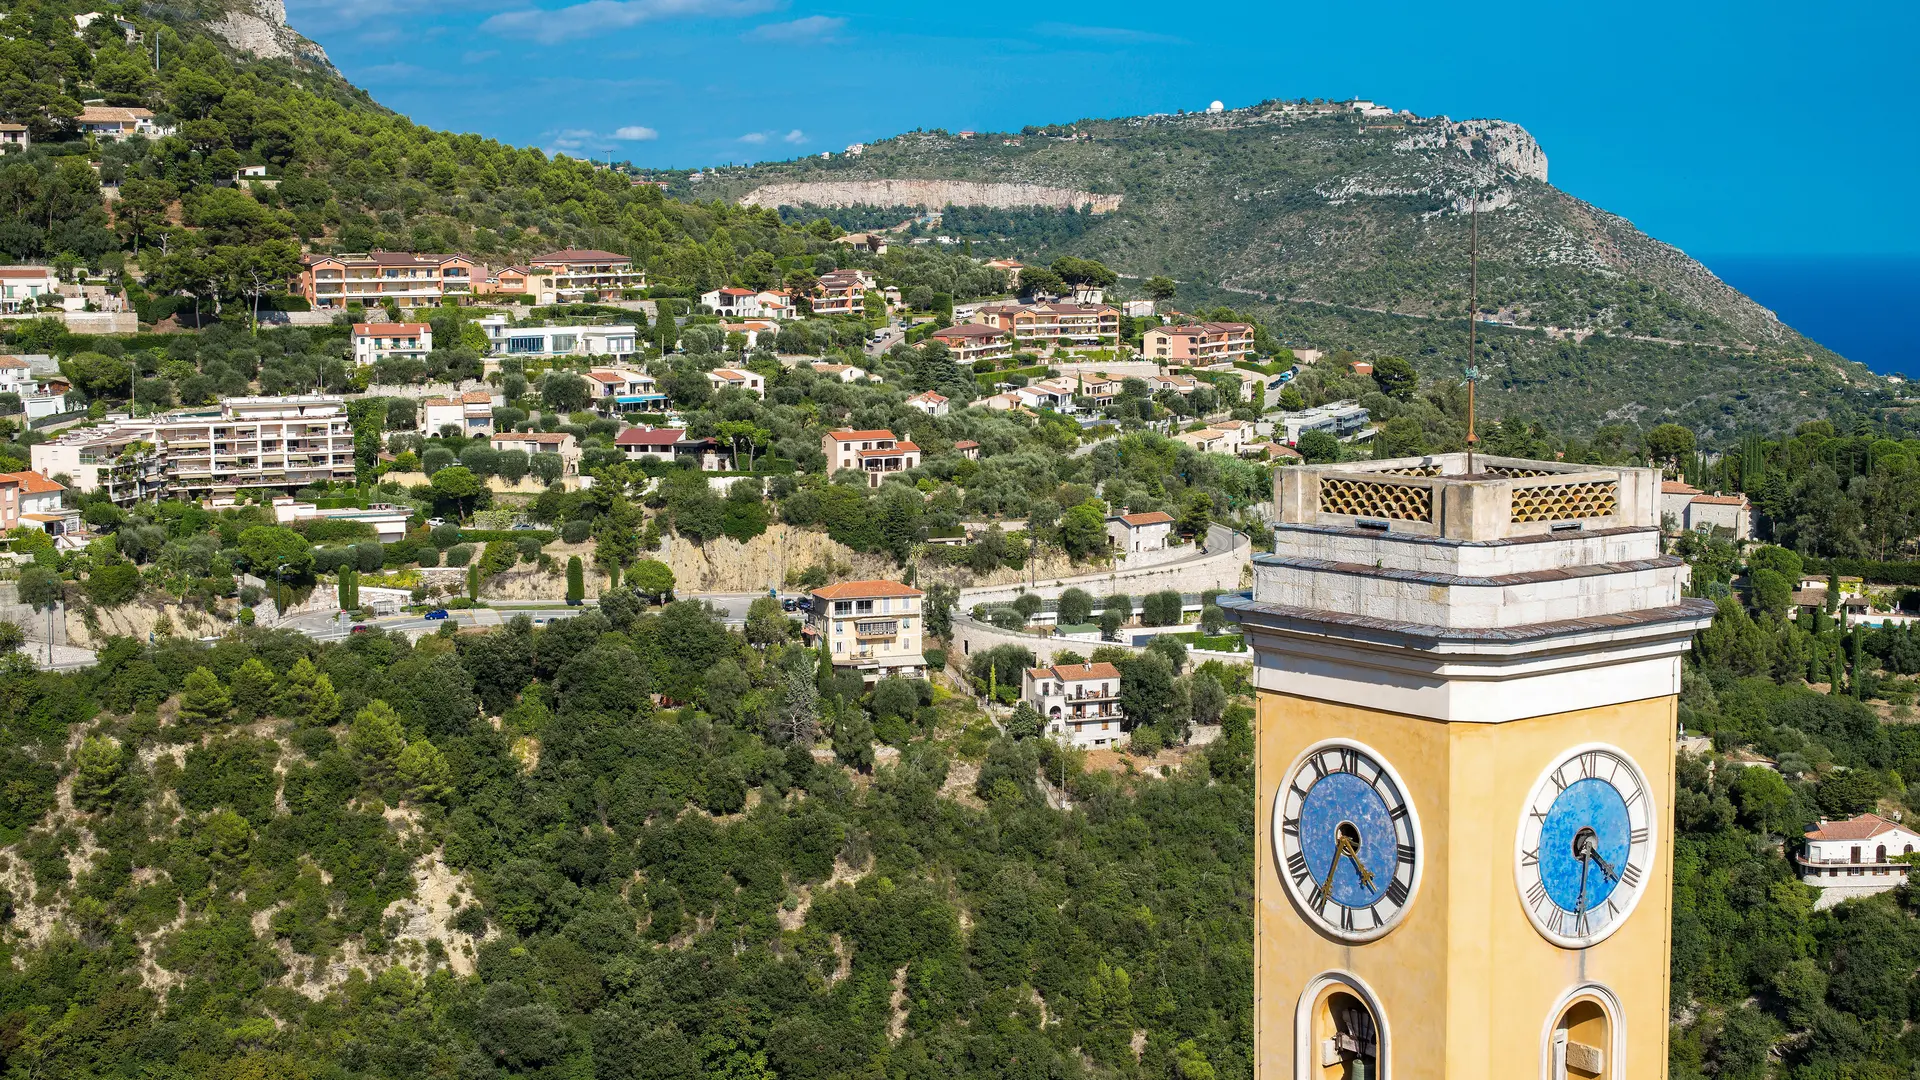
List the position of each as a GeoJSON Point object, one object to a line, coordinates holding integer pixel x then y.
{"type": "Point", "coordinates": [576, 531]}
{"type": "Point", "coordinates": [460, 555]}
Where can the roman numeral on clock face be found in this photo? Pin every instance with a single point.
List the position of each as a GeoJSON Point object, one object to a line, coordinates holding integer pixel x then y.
{"type": "Point", "coordinates": [1349, 760]}
{"type": "Point", "coordinates": [1397, 892]}
{"type": "Point", "coordinates": [1590, 764]}
{"type": "Point", "coordinates": [1638, 836]}
{"type": "Point", "coordinates": [1406, 853]}
{"type": "Point", "coordinates": [1297, 866]}
{"type": "Point", "coordinates": [1631, 876]}
{"type": "Point", "coordinates": [1530, 858]}
{"type": "Point", "coordinates": [1536, 893]}
{"type": "Point", "coordinates": [1290, 826]}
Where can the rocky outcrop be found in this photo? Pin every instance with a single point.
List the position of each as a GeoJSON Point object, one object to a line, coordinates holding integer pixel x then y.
{"type": "Point", "coordinates": [1508, 147]}
{"type": "Point", "coordinates": [932, 194]}
{"type": "Point", "coordinates": [263, 31]}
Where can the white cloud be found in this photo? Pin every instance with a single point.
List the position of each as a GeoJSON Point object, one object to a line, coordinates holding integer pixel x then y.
{"type": "Point", "coordinates": [754, 137]}
{"type": "Point", "coordinates": [478, 56]}
{"type": "Point", "coordinates": [1118, 35]}
{"type": "Point", "coordinates": [813, 28]}
{"type": "Point", "coordinates": [635, 133]}
{"type": "Point", "coordinates": [600, 16]}
{"type": "Point", "coordinates": [794, 136]}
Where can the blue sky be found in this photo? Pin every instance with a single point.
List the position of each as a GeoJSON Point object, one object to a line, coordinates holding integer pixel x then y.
{"type": "Point", "coordinates": [1723, 128]}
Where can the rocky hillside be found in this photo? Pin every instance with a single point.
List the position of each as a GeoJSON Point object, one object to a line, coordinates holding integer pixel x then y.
{"type": "Point", "coordinates": [1352, 231]}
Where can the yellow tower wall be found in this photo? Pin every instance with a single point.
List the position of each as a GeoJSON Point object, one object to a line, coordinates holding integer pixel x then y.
{"type": "Point", "coordinates": [1466, 986]}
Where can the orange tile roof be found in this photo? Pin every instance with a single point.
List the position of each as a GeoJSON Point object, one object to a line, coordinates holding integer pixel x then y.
{"type": "Point", "coordinates": [1864, 827]}
{"type": "Point", "coordinates": [1720, 500]}
{"type": "Point", "coordinates": [860, 436]}
{"type": "Point", "coordinates": [1152, 517]}
{"type": "Point", "coordinates": [848, 590]}
{"type": "Point", "coordinates": [965, 444]}
{"type": "Point", "coordinates": [1074, 672]}
{"type": "Point", "coordinates": [31, 483]}
{"type": "Point", "coordinates": [1677, 487]}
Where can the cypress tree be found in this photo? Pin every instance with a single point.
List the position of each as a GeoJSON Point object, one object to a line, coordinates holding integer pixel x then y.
{"type": "Point", "coordinates": [576, 581]}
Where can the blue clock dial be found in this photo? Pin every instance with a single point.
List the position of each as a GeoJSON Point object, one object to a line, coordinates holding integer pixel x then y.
{"type": "Point", "coordinates": [1585, 846]}
{"type": "Point", "coordinates": [1347, 841]}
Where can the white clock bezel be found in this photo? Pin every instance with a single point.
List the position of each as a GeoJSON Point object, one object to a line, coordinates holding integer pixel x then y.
{"type": "Point", "coordinates": [1278, 841]}
{"type": "Point", "coordinates": [1526, 837]}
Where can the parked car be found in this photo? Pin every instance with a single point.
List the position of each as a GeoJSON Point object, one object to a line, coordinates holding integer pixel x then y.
{"type": "Point", "coordinates": [360, 628]}
{"type": "Point", "coordinates": [434, 523]}
{"type": "Point", "coordinates": [789, 604]}
{"type": "Point", "coordinates": [806, 603]}
{"type": "Point", "coordinates": [437, 613]}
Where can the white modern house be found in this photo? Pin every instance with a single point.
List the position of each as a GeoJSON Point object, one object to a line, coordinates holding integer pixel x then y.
{"type": "Point", "coordinates": [1079, 704]}
{"type": "Point", "coordinates": [533, 342]}
{"type": "Point", "coordinates": [379, 341]}
{"type": "Point", "coordinates": [1856, 854]}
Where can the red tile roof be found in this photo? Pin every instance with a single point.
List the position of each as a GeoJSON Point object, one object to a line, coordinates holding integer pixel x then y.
{"type": "Point", "coordinates": [965, 444]}
{"type": "Point", "coordinates": [860, 436]}
{"type": "Point", "coordinates": [1720, 500]}
{"type": "Point", "coordinates": [581, 255]}
{"type": "Point", "coordinates": [1152, 517]}
{"type": "Point", "coordinates": [1677, 487]}
{"type": "Point", "coordinates": [31, 483]}
{"type": "Point", "coordinates": [1075, 672]}
{"type": "Point", "coordinates": [970, 330]}
{"type": "Point", "coordinates": [848, 590]}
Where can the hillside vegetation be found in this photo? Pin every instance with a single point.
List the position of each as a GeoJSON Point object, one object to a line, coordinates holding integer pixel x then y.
{"type": "Point", "coordinates": [1329, 225]}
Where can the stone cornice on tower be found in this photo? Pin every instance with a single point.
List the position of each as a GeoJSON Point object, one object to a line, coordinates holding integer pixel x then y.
{"type": "Point", "coordinates": [1525, 588]}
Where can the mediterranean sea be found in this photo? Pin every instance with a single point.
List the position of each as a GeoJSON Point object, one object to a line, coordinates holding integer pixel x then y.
{"type": "Point", "coordinates": [1864, 307]}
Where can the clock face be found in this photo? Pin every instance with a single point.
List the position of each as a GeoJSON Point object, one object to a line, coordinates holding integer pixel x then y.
{"type": "Point", "coordinates": [1585, 846]}
{"type": "Point", "coordinates": [1348, 840]}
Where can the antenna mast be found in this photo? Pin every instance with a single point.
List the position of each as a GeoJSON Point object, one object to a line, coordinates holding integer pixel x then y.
{"type": "Point", "coordinates": [1473, 309]}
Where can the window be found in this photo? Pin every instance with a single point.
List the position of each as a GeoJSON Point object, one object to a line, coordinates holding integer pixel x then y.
{"type": "Point", "coordinates": [843, 607]}
{"type": "Point", "coordinates": [1880, 853]}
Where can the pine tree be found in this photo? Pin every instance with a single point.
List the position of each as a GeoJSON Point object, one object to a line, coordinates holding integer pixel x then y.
{"type": "Point", "coordinates": [376, 737]}
{"type": "Point", "coordinates": [204, 700]}
{"type": "Point", "coordinates": [252, 689]}
{"type": "Point", "coordinates": [423, 769]}
{"type": "Point", "coordinates": [98, 769]}
{"type": "Point", "coordinates": [306, 695]}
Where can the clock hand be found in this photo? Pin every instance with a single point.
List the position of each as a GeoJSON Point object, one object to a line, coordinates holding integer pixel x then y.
{"type": "Point", "coordinates": [1606, 867]}
{"type": "Point", "coordinates": [1366, 875]}
{"type": "Point", "coordinates": [1580, 904]}
{"type": "Point", "coordinates": [1325, 888]}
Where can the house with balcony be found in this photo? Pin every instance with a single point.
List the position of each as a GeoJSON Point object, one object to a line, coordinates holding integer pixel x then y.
{"type": "Point", "coordinates": [1046, 327]}
{"type": "Point", "coordinates": [546, 342]}
{"type": "Point", "coordinates": [1056, 394]}
{"type": "Point", "coordinates": [372, 279]}
{"type": "Point", "coordinates": [931, 403]}
{"type": "Point", "coordinates": [670, 443]}
{"type": "Point", "coordinates": [754, 332]}
{"type": "Point", "coordinates": [121, 458]}
{"type": "Point", "coordinates": [579, 273]}
{"type": "Point", "coordinates": [542, 442]}
{"type": "Point", "coordinates": [738, 379]}
{"type": "Point", "coordinates": [1858, 855]}
{"type": "Point", "coordinates": [842, 292]}
{"type": "Point", "coordinates": [243, 442]}
{"type": "Point", "coordinates": [876, 453]}
{"type": "Point", "coordinates": [30, 500]}
{"type": "Point", "coordinates": [871, 627]}
{"type": "Point", "coordinates": [734, 302]}
{"type": "Point", "coordinates": [21, 288]}
{"type": "Point", "coordinates": [471, 413]}
{"type": "Point", "coordinates": [1198, 344]}
{"type": "Point", "coordinates": [374, 342]}
{"type": "Point", "coordinates": [622, 389]}
{"type": "Point", "coordinates": [118, 124]}
{"type": "Point", "coordinates": [1173, 381]}
{"type": "Point", "coordinates": [1079, 704]}
{"type": "Point", "coordinates": [969, 342]}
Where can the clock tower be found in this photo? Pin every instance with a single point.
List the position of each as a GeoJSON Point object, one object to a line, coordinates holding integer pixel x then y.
{"type": "Point", "coordinates": [1465, 729]}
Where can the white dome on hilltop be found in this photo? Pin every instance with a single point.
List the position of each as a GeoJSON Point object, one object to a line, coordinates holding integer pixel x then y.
{"type": "Point", "coordinates": [1217, 107]}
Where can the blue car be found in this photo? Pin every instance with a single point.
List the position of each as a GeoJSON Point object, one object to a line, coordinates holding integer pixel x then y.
{"type": "Point", "coordinates": [437, 613]}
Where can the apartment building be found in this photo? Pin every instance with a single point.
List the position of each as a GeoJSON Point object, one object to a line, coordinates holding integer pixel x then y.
{"type": "Point", "coordinates": [539, 342]}
{"type": "Point", "coordinates": [1050, 326]}
{"type": "Point", "coordinates": [1198, 343]}
{"type": "Point", "coordinates": [578, 273]}
{"type": "Point", "coordinates": [842, 292]}
{"type": "Point", "coordinates": [470, 413]}
{"type": "Point", "coordinates": [876, 453]}
{"type": "Point", "coordinates": [1079, 704]}
{"type": "Point", "coordinates": [1179, 384]}
{"type": "Point", "coordinates": [21, 288]}
{"type": "Point", "coordinates": [1341, 419]}
{"type": "Point", "coordinates": [738, 379]}
{"type": "Point", "coordinates": [240, 443]}
{"type": "Point", "coordinates": [331, 282]}
{"type": "Point", "coordinates": [543, 442]}
{"type": "Point", "coordinates": [378, 341]}
{"type": "Point", "coordinates": [733, 302]}
{"type": "Point", "coordinates": [873, 627]}
{"type": "Point", "coordinates": [969, 342]}
{"type": "Point", "coordinates": [621, 389]}
{"type": "Point", "coordinates": [118, 124]}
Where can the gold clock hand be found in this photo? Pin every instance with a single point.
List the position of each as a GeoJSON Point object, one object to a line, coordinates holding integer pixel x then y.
{"type": "Point", "coordinates": [1366, 875]}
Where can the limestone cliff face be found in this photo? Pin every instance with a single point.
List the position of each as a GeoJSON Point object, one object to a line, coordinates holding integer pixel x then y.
{"type": "Point", "coordinates": [932, 194]}
{"type": "Point", "coordinates": [1508, 147]}
{"type": "Point", "coordinates": [260, 27]}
